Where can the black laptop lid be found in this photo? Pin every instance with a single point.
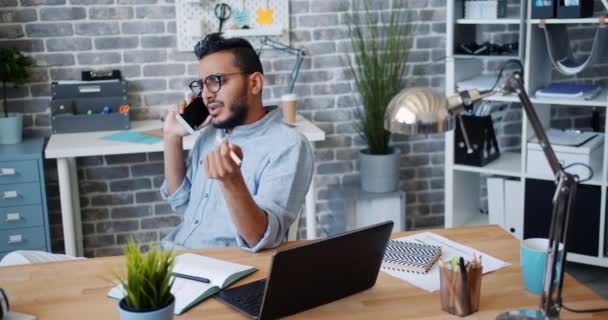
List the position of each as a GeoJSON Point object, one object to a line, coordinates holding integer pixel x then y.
{"type": "Point", "coordinates": [307, 276]}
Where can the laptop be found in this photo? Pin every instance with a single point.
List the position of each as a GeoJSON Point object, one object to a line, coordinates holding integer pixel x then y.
{"type": "Point", "coordinates": [313, 274]}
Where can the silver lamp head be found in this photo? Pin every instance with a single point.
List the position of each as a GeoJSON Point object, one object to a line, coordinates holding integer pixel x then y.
{"type": "Point", "coordinates": [418, 111]}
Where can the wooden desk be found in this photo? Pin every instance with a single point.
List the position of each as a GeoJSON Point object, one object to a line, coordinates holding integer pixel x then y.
{"type": "Point", "coordinates": [68, 146]}
{"type": "Point", "coordinates": [77, 290]}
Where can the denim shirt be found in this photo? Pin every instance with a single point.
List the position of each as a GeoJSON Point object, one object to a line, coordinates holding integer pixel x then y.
{"type": "Point", "coordinates": [277, 168]}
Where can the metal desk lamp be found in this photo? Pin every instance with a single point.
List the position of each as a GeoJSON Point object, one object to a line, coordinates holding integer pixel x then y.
{"type": "Point", "coordinates": [299, 53]}
{"type": "Point", "coordinates": [422, 110]}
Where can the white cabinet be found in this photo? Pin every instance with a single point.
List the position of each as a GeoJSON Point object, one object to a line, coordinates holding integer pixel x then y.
{"type": "Point", "coordinates": [366, 208]}
{"type": "Point", "coordinates": [463, 189]}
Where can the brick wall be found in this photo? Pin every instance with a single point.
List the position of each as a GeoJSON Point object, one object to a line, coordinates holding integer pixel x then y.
{"type": "Point", "coordinates": [119, 194]}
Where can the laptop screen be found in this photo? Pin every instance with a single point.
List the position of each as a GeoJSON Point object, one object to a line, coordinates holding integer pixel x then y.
{"type": "Point", "coordinates": [314, 274]}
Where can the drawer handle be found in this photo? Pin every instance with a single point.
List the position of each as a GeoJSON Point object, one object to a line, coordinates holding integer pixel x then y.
{"type": "Point", "coordinates": [10, 194]}
{"type": "Point", "coordinates": [13, 216]}
{"type": "Point", "coordinates": [7, 172]}
{"type": "Point", "coordinates": [16, 238]}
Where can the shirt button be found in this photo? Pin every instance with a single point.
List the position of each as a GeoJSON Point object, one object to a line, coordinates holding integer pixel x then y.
{"type": "Point", "coordinates": [206, 196]}
{"type": "Point", "coordinates": [195, 221]}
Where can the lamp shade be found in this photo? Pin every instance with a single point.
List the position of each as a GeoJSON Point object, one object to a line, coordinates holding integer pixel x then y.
{"type": "Point", "coordinates": [418, 111]}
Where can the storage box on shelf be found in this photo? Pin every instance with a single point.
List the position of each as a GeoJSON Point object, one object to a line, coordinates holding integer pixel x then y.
{"type": "Point", "coordinates": [589, 153]}
{"type": "Point", "coordinates": [485, 9]}
{"type": "Point", "coordinates": [23, 211]}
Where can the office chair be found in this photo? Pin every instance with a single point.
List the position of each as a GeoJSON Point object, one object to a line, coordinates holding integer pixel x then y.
{"type": "Point", "coordinates": [292, 232]}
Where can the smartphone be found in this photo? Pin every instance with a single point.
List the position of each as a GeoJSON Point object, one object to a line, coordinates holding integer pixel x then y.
{"type": "Point", "coordinates": [195, 113]}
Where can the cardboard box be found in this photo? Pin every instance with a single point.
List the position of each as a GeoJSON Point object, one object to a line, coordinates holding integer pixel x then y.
{"type": "Point", "coordinates": [589, 153]}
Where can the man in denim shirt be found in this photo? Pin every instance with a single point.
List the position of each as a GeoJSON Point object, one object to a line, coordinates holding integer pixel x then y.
{"type": "Point", "coordinates": [251, 205]}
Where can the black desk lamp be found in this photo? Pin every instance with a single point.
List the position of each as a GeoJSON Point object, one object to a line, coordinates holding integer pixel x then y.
{"type": "Point", "coordinates": [421, 110]}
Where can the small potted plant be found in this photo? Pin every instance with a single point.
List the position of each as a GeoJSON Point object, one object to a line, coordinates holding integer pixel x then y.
{"type": "Point", "coordinates": [380, 55]}
{"type": "Point", "coordinates": [14, 69]}
{"type": "Point", "coordinates": [147, 285]}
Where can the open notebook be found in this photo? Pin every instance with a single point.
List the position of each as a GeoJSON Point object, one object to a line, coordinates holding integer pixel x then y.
{"type": "Point", "coordinates": [188, 293]}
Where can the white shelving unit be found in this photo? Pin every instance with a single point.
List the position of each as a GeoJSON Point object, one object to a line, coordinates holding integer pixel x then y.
{"type": "Point", "coordinates": [462, 190]}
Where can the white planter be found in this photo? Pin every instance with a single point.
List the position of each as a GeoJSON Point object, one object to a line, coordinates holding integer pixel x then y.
{"type": "Point", "coordinates": [165, 313]}
{"type": "Point", "coordinates": [379, 173]}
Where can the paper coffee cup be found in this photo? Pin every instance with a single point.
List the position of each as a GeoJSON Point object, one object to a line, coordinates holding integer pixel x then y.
{"type": "Point", "coordinates": [288, 102]}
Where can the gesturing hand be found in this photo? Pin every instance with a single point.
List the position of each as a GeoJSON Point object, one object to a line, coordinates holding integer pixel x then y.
{"type": "Point", "coordinates": [220, 165]}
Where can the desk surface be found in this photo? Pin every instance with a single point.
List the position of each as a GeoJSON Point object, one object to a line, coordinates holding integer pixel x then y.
{"type": "Point", "coordinates": [77, 289]}
{"type": "Point", "coordinates": [83, 144]}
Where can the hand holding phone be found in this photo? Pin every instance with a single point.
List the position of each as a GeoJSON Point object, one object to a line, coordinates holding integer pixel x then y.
{"type": "Point", "coordinates": [194, 115]}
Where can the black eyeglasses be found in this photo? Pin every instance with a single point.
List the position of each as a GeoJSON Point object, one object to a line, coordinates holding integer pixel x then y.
{"type": "Point", "coordinates": [212, 82]}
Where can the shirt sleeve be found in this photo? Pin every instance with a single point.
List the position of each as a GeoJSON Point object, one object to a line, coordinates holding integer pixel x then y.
{"type": "Point", "coordinates": [282, 191]}
{"type": "Point", "coordinates": [180, 199]}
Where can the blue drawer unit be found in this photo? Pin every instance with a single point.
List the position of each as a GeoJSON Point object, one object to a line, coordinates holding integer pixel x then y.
{"type": "Point", "coordinates": [24, 222]}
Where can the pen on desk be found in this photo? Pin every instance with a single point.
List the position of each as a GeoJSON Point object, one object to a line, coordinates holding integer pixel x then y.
{"type": "Point", "coordinates": [193, 278]}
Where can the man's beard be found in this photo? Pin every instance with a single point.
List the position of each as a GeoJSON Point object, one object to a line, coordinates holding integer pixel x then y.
{"type": "Point", "coordinates": [238, 113]}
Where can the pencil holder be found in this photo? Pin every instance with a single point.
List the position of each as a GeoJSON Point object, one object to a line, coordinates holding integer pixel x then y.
{"type": "Point", "coordinates": [457, 296]}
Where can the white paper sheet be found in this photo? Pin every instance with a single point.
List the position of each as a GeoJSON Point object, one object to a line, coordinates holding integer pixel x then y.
{"type": "Point", "coordinates": [449, 249]}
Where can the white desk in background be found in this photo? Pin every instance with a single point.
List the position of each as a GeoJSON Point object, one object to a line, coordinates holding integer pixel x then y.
{"type": "Point", "coordinates": [68, 146]}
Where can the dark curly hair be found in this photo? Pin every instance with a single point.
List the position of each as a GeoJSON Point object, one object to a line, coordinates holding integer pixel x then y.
{"type": "Point", "coordinates": [245, 57]}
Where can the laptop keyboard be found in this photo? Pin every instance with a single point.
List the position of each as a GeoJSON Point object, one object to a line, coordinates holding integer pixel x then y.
{"type": "Point", "coordinates": [247, 298]}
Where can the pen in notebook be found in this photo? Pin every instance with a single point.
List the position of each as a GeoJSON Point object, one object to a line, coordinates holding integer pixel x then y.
{"type": "Point", "coordinates": [233, 155]}
{"type": "Point", "coordinates": [193, 278]}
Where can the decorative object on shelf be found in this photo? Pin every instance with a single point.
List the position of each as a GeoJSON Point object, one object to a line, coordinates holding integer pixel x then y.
{"type": "Point", "coordinates": [222, 12]}
{"type": "Point", "coordinates": [147, 284]}
{"type": "Point", "coordinates": [560, 51]}
{"type": "Point", "coordinates": [564, 197]}
{"type": "Point", "coordinates": [380, 53]}
{"type": "Point", "coordinates": [485, 9]}
{"type": "Point", "coordinates": [14, 68]}
{"type": "Point", "coordinates": [484, 146]}
{"type": "Point", "coordinates": [240, 16]}
{"type": "Point", "coordinates": [573, 9]}
{"type": "Point", "coordinates": [543, 9]}
{"type": "Point", "coordinates": [264, 15]}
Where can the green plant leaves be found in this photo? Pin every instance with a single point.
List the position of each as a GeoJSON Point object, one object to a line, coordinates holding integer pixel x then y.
{"type": "Point", "coordinates": [380, 53]}
{"type": "Point", "coordinates": [14, 68]}
{"type": "Point", "coordinates": [148, 281]}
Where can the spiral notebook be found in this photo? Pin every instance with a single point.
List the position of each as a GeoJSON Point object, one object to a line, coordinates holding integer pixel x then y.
{"type": "Point", "coordinates": [410, 256]}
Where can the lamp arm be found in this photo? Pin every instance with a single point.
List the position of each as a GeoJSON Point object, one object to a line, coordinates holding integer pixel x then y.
{"type": "Point", "coordinates": [299, 53]}
{"type": "Point", "coordinates": [515, 84]}
{"type": "Point", "coordinates": [563, 205]}
{"type": "Point", "coordinates": [563, 199]}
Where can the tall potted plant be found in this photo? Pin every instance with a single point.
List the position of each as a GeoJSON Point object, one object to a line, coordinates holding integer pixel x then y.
{"type": "Point", "coordinates": [380, 52]}
{"type": "Point", "coordinates": [14, 68]}
{"type": "Point", "coordinates": [147, 285]}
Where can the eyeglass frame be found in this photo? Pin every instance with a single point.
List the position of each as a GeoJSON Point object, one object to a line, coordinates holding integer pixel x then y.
{"type": "Point", "coordinates": [219, 77]}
